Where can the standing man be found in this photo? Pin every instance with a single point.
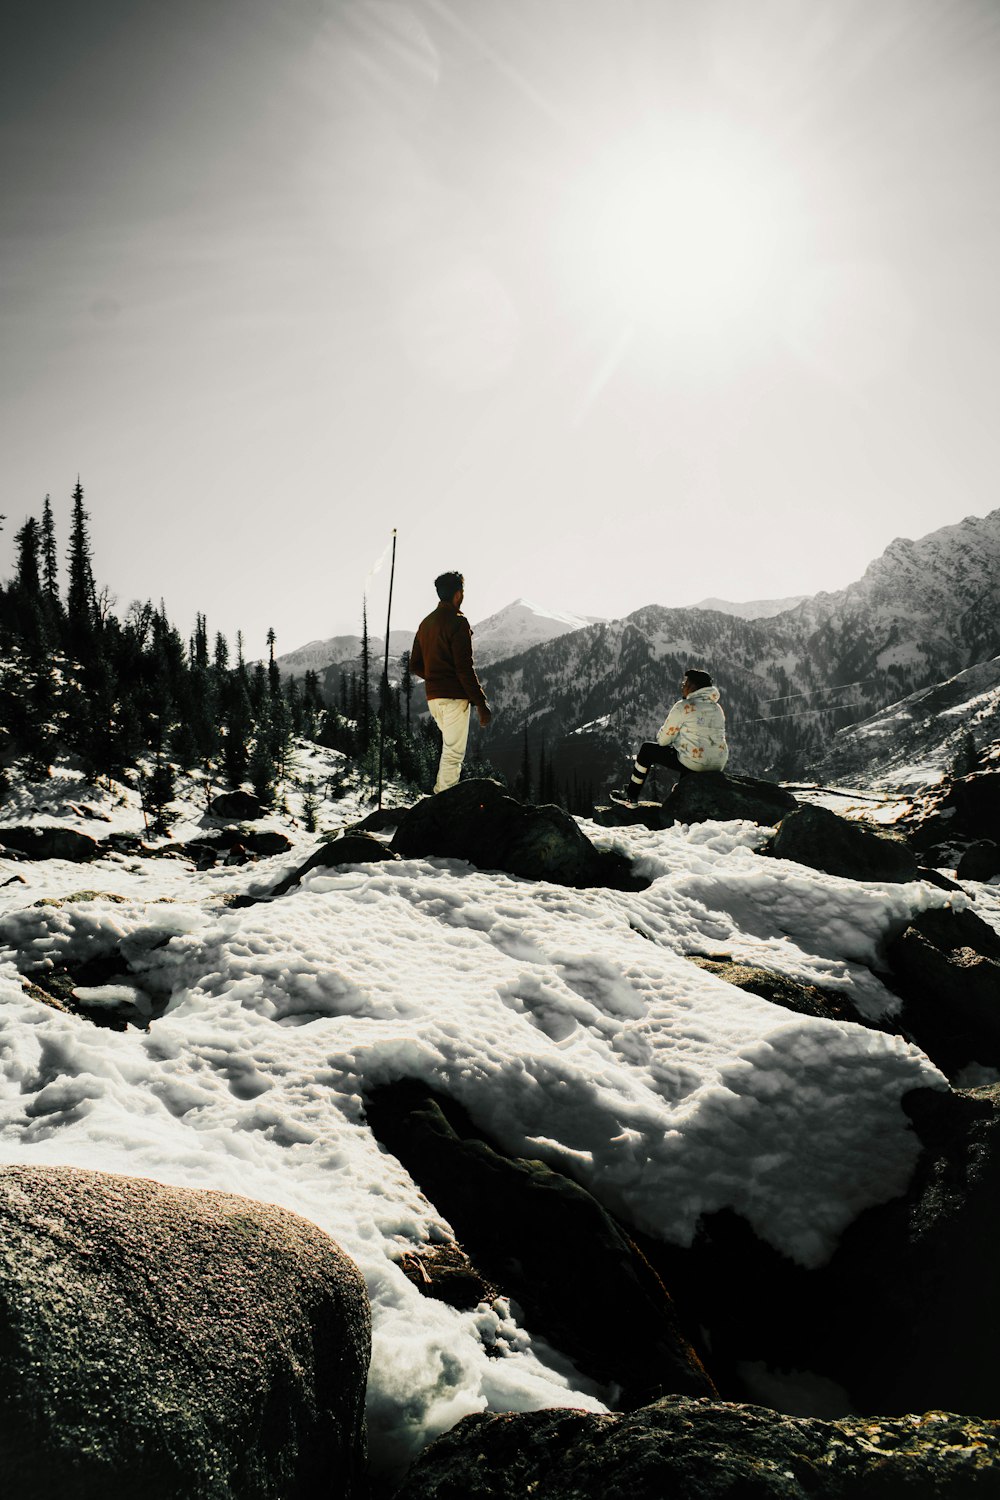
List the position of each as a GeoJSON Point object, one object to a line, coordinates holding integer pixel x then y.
{"type": "Point", "coordinates": [442, 656]}
{"type": "Point", "coordinates": [691, 738]}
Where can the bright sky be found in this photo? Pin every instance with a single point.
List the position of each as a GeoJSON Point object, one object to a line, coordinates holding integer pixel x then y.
{"type": "Point", "coordinates": [605, 302]}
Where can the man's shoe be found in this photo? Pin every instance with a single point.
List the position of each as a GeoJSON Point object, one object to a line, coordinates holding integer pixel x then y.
{"type": "Point", "coordinates": [624, 796]}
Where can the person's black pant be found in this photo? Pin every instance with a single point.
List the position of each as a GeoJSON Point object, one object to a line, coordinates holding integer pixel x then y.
{"type": "Point", "coordinates": [652, 754]}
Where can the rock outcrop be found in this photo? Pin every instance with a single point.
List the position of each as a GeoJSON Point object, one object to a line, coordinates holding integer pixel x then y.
{"type": "Point", "coordinates": [545, 1241]}
{"type": "Point", "coordinates": [708, 1450]}
{"type": "Point", "coordinates": [158, 1343]}
{"type": "Point", "coordinates": [479, 821]}
{"type": "Point", "coordinates": [946, 965]}
{"type": "Point", "coordinates": [705, 796]}
{"type": "Point", "coordinates": [912, 1290]}
{"type": "Point", "coordinates": [791, 994]}
{"type": "Point", "coordinates": [237, 805]}
{"type": "Point", "coordinates": [37, 841]}
{"type": "Point", "coordinates": [957, 813]}
{"type": "Point", "coordinates": [816, 837]}
{"type": "Point", "coordinates": [979, 861]}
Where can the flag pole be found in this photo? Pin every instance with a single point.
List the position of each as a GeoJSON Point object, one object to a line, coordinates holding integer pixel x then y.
{"type": "Point", "coordinates": [385, 674]}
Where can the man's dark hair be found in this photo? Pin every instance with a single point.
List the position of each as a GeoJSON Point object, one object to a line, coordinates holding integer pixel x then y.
{"type": "Point", "coordinates": [448, 585]}
{"type": "Point", "coordinates": [697, 678]}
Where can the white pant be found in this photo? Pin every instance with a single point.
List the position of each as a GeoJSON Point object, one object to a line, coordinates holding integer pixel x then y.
{"type": "Point", "coordinates": [451, 715]}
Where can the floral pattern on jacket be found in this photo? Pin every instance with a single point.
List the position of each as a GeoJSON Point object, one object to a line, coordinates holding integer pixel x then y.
{"type": "Point", "coordinates": [696, 727]}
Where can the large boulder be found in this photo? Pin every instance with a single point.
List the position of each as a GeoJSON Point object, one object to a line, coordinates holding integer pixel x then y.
{"type": "Point", "coordinates": [954, 813]}
{"type": "Point", "coordinates": [681, 1448]}
{"type": "Point", "coordinates": [816, 837]}
{"type": "Point", "coordinates": [979, 861]}
{"type": "Point", "coordinates": [33, 841]}
{"type": "Point", "coordinates": [237, 805]}
{"type": "Point", "coordinates": [479, 821]}
{"type": "Point", "coordinates": [946, 966]}
{"type": "Point", "coordinates": [905, 1316]}
{"type": "Point", "coordinates": [158, 1343]}
{"type": "Point", "coordinates": [543, 1240]}
{"type": "Point", "coordinates": [705, 796]}
{"type": "Point", "coordinates": [913, 1285]}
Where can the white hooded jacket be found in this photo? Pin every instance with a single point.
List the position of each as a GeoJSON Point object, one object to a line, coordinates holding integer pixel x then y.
{"type": "Point", "coordinates": [696, 727]}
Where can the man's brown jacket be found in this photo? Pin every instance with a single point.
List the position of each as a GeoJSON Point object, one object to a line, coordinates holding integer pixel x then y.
{"type": "Point", "coordinates": [442, 656]}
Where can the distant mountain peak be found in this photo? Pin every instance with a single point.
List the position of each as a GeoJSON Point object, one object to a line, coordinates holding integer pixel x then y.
{"type": "Point", "coordinates": [520, 625]}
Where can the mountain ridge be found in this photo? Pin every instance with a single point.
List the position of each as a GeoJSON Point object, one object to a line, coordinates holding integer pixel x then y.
{"type": "Point", "coordinates": [923, 611]}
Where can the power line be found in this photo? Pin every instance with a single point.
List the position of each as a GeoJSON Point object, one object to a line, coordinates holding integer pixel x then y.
{"type": "Point", "coordinates": [839, 687]}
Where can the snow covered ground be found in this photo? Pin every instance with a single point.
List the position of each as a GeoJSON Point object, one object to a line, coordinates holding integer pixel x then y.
{"type": "Point", "coordinates": [569, 1023]}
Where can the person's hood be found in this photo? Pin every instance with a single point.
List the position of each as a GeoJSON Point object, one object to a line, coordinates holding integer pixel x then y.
{"type": "Point", "coordinates": [703, 695]}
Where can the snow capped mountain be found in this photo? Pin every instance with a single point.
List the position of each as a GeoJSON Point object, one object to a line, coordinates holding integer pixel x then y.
{"type": "Point", "coordinates": [519, 626]}
{"type": "Point", "coordinates": [754, 609]}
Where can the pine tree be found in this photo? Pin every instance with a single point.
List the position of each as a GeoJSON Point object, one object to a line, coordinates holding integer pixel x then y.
{"type": "Point", "coordinates": [365, 702]}
{"type": "Point", "coordinates": [273, 672]}
{"type": "Point", "coordinates": [967, 758]}
{"type": "Point", "coordinates": [522, 782]}
{"type": "Point", "coordinates": [221, 660]}
{"type": "Point", "coordinates": [406, 684]}
{"type": "Point", "coordinates": [28, 543]}
{"type": "Point", "coordinates": [81, 596]}
{"type": "Point", "coordinates": [310, 806]}
{"type": "Point", "coordinates": [50, 562]}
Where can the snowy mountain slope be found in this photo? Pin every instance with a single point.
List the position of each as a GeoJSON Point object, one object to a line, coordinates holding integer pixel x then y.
{"type": "Point", "coordinates": [318, 655]}
{"type": "Point", "coordinates": [570, 1024]}
{"type": "Point", "coordinates": [754, 609]}
{"type": "Point", "coordinates": [922, 612]}
{"type": "Point", "coordinates": [520, 625]}
{"type": "Point", "coordinates": [915, 741]}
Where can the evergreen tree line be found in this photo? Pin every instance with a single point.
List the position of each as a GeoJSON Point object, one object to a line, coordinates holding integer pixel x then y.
{"type": "Point", "coordinates": [130, 697]}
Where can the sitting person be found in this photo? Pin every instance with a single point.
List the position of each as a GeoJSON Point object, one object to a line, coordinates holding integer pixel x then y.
{"type": "Point", "coordinates": [691, 738]}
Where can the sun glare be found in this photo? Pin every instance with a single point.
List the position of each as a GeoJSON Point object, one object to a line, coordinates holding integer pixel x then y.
{"type": "Point", "coordinates": [683, 234]}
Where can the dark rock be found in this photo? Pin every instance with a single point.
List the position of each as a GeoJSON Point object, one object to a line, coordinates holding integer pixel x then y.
{"type": "Point", "coordinates": [680, 1448]}
{"type": "Point", "coordinates": [643, 815]}
{"type": "Point", "coordinates": [348, 849]}
{"type": "Point", "coordinates": [975, 800]}
{"type": "Point", "coordinates": [163, 1344]}
{"type": "Point", "coordinates": [804, 999]}
{"type": "Point", "coordinates": [266, 842]}
{"type": "Point", "coordinates": [703, 796]}
{"type": "Point", "coordinates": [914, 1281]}
{"type": "Point", "coordinates": [906, 1315]}
{"type": "Point", "coordinates": [816, 837]}
{"type": "Point", "coordinates": [946, 966]}
{"type": "Point", "coordinates": [934, 877]}
{"type": "Point", "coordinates": [125, 843]}
{"type": "Point", "coordinates": [37, 842]}
{"type": "Point", "coordinates": [479, 821]}
{"type": "Point", "coordinates": [379, 821]}
{"type": "Point", "coordinates": [955, 812]}
{"type": "Point", "coordinates": [447, 1273]}
{"type": "Point", "coordinates": [980, 861]}
{"type": "Point", "coordinates": [544, 1240]}
{"type": "Point", "coordinates": [235, 805]}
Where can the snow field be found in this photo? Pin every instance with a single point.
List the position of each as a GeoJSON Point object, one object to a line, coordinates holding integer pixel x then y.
{"type": "Point", "coordinates": [569, 1023]}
